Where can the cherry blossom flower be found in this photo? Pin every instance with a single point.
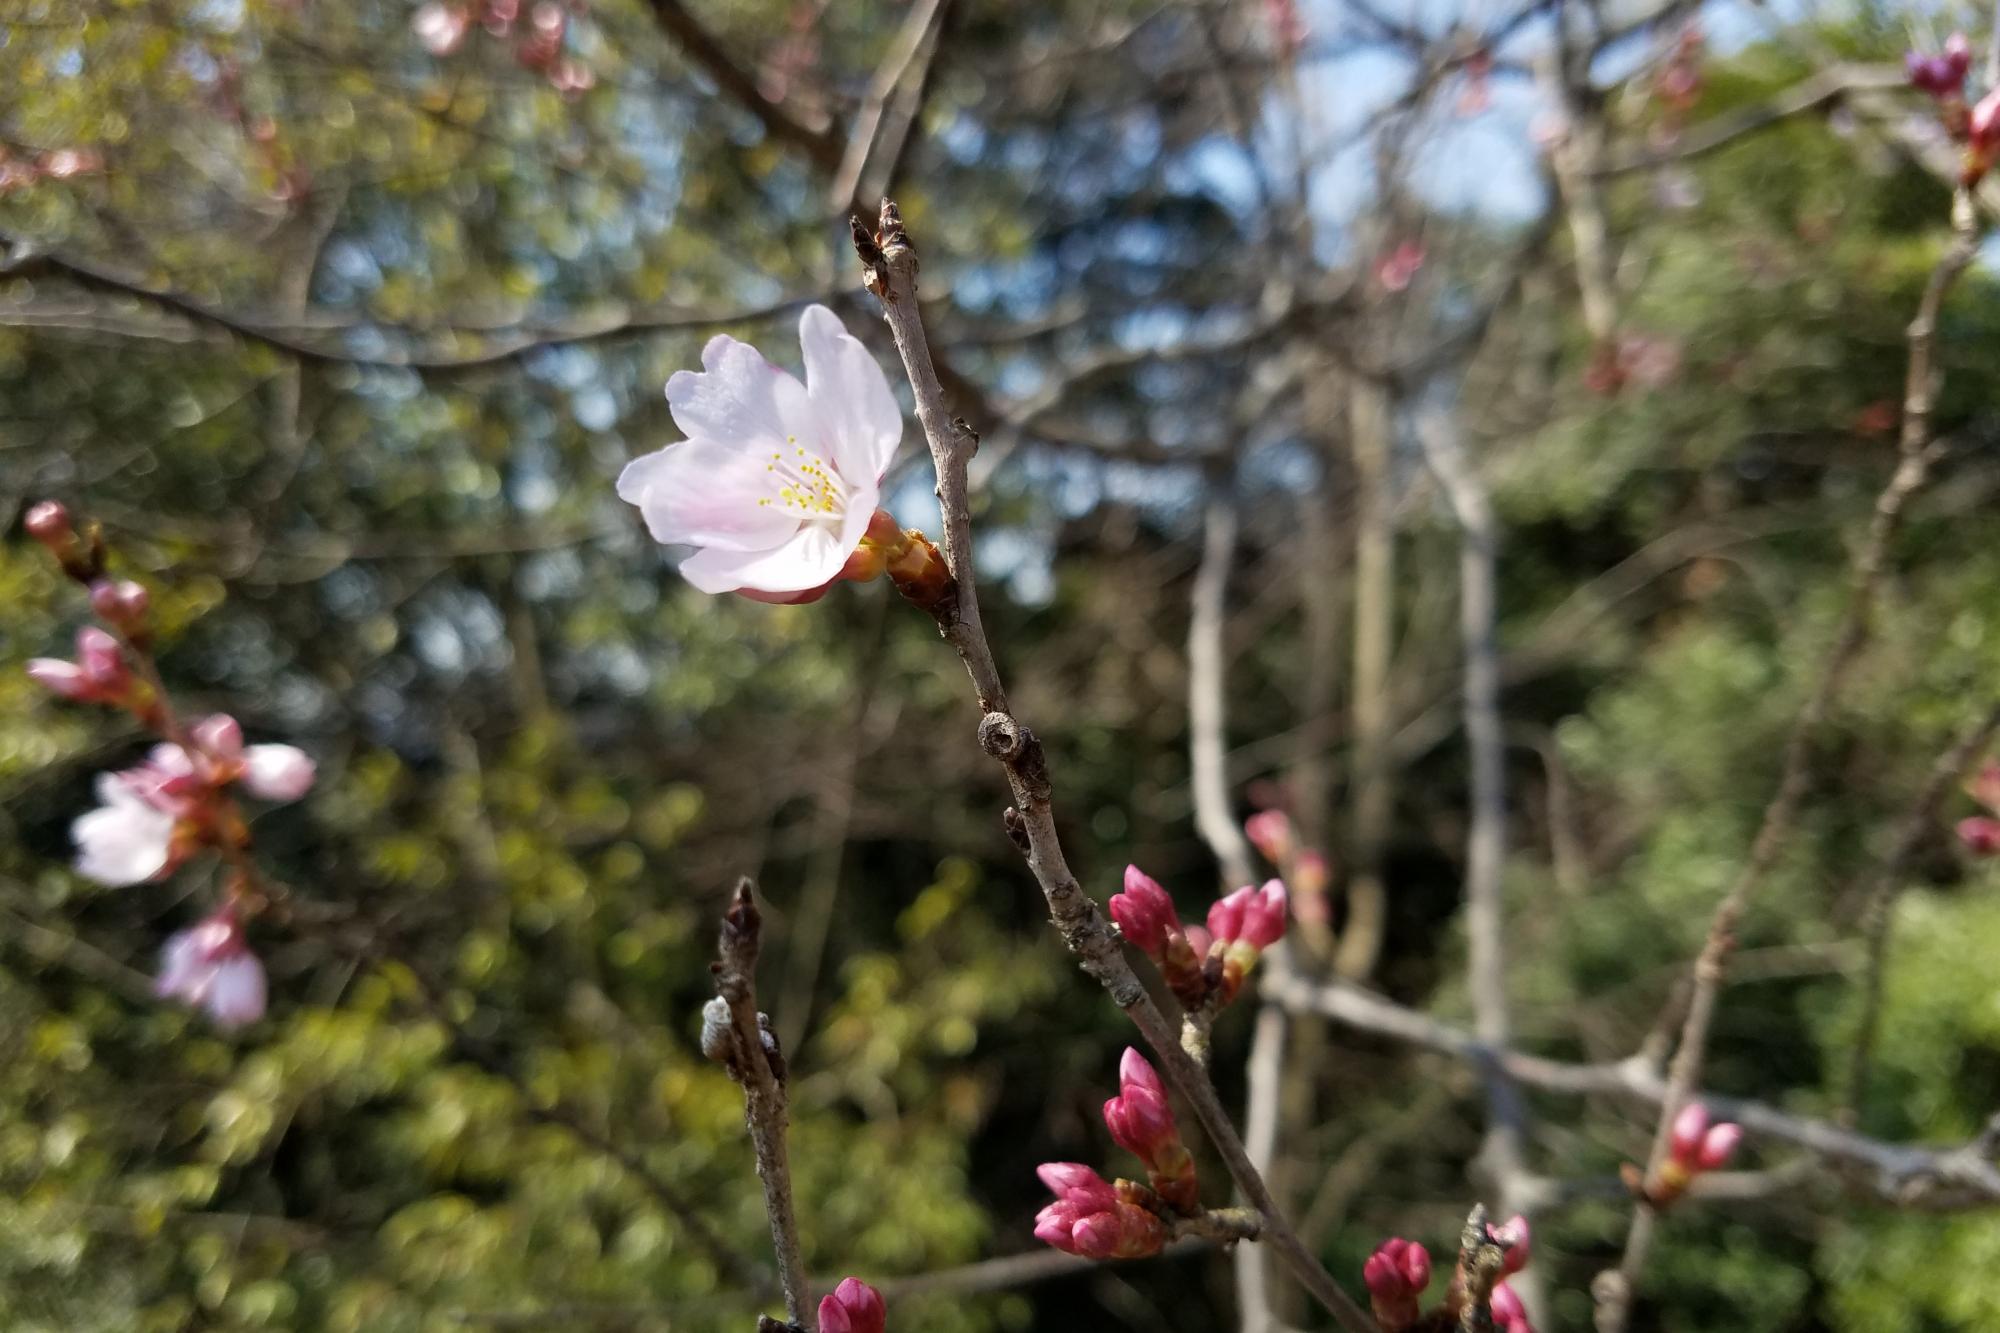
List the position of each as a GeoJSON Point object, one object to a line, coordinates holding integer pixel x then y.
{"type": "Point", "coordinates": [854, 1307]}
{"type": "Point", "coordinates": [777, 483]}
{"type": "Point", "coordinates": [210, 967]}
{"type": "Point", "coordinates": [268, 772]}
{"type": "Point", "coordinates": [129, 837]}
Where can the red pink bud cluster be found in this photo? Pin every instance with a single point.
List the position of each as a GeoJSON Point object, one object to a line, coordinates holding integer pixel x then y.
{"type": "Point", "coordinates": [538, 43]}
{"type": "Point", "coordinates": [1100, 1219]}
{"type": "Point", "coordinates": [151, 818]}
{"type": "Point", "coordinates": [1399, 1271]}
{"type": "Point", "coordinates": [1981, 833]}
{"type": "Point", "coordinates": [1203, 967]}
{"type": "Point", "coordinates": [854, 1307]}
{"type": "Point", "coordinates": [1942, 76]}
{"type": "Point", "coordinates": [1093, 1218]}
{"type": "Point", "coordinates": [1694, 1146]}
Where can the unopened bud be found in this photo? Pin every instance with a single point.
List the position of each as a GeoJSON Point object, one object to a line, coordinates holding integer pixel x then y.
{"type": "Point", "coordinates": [1396, 1275]}
{"type": "Point", "coordinates": [854, 1307]}
{"type": "Point", "coordinates": [1270, 832]}
{"type": "Point", "coordinates": [48, 523]}
{"type": "Point", "coordinates": [121, 603]}
{"type": "Point", "coordinates": [1142, 1123]}
{"type": "Point", "coordinates": [1980, 835]}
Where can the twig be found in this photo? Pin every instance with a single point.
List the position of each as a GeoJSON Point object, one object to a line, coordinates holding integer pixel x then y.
{"type": "Point", "coordinates": [1882, 899]}
{"type": "Point", "coordinates": [1829, 85]}
{"type": "Point", "coordinates": [736, 1035]}
{"type": "Point", "coordinates": [1934, 1179]}
{"type": "Point", "coordinates": [919, 26]}
{"type": "Point", "coordinates": [1207, 671]}
{"type": "Point", "coordinates": [891, 264]}
{"type": "Point", "coordinates": [1486, 843]}
{"type": "Point", "coordinates": [1614, 1289]}
{"type": "Point", "coordinates": [704, 48]}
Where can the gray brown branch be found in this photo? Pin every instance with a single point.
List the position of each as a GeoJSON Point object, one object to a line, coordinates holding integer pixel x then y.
{"type": "Point", "coordinates": [890, 262]}
{"type": "Point", "coordinates": [737, 1036]}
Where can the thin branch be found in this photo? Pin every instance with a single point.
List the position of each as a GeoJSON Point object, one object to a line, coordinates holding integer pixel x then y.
{"type": "Point", "coordinates": [736, 1035]}
{"type": "Point", "coordinates": [1827, 86]}
{"type": "Point", "coordinates": [891, 264]}
{"type": "Point", "coordinates": [704, 48]}
{"type": "Point", "coordinates": [1486, 843]}
{"type": "Point", "coordinates": [1933, 1179]}
{"type": "Point", "coordinates": [913, 41]}
{"type": "Point", "coordinates": [1615, 1289]}
{"type": "Point", "coordinates": [1876, 916]}
{"type": "Point", "coordinates": [1207, 689]}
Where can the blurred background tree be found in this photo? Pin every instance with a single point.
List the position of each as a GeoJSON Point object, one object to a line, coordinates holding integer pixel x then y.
{"type": "Point", "coordinates": [343, 317]}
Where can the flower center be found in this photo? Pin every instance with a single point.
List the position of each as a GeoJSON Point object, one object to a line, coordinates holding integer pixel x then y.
{"type": "Point", "coordinates": [806, 485]}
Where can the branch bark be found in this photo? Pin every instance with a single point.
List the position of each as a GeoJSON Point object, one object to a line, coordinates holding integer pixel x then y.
{"type": "Point", "coordinates": [891, 264]}
{"type": "Point", "coordinates": [1931, 1179]}
{"type": "Point", "coordinates": [1504, 1152]}
{"type": "Point", "coordinates": [737, 1036]}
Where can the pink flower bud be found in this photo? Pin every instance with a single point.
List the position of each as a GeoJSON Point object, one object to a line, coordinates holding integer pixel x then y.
{"type": "Point", "coordinates": [220, 737]}
{"type": "Point", "coordinates": [1142, 1123]}
{"type": "Point", "coordinates": [1396, 1275]}
{"type": "Point", "coordinates": [1270, 832]}
{"type": "Point", "coordinates": [1509, 1315]}
{"type": "Point", "coordinates": [1144, 913]}
{"type": "Point", "coordinates": [277, 772]}
{"type": "Point", "coordinates": [48, 523]}
{"type": "Point", "coordinates": [1980, 835]}
{"type": "Point", "coordinates": [1264, 915]}
{"type": "Point", "coordinates": [1089, 1218]}
{"type": "Point", "coordinates": [1512, 1236]}
{"type": "Point", "coordinates": [1941, 75]}
{"type": "Point", "coordinates": [1200, 941]}
{"type": "Point", "coordinates": [101, 657]}
{"type": "Point", "coordinates": [66, 680]}
{"type": "Point", "coordinates": [1718, 1146]}
{"type": "Point", "coordinates": [1684, 1139]}
{"type": "Point", "coordinates": [854, 1307]}
{"type": "Point", "coordinates": [120, 602]}
{"type": "Point", "coordinates": [1075, 1182]}
{"type": "Point", "coordinates": [99, 675]}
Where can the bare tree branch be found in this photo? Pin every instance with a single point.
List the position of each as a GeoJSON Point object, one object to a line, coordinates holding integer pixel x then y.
{"type": "Point", "coordinates": [1486, 846]}
{"type": "Point", "coordinates": [891, 264]}
{"type": "Point", "coordinates": [1936, 1179]}
{"type": "Point", "coordinates": [1615, 1289]}
{"type": "Point", "coordinates": [736, 1035]}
